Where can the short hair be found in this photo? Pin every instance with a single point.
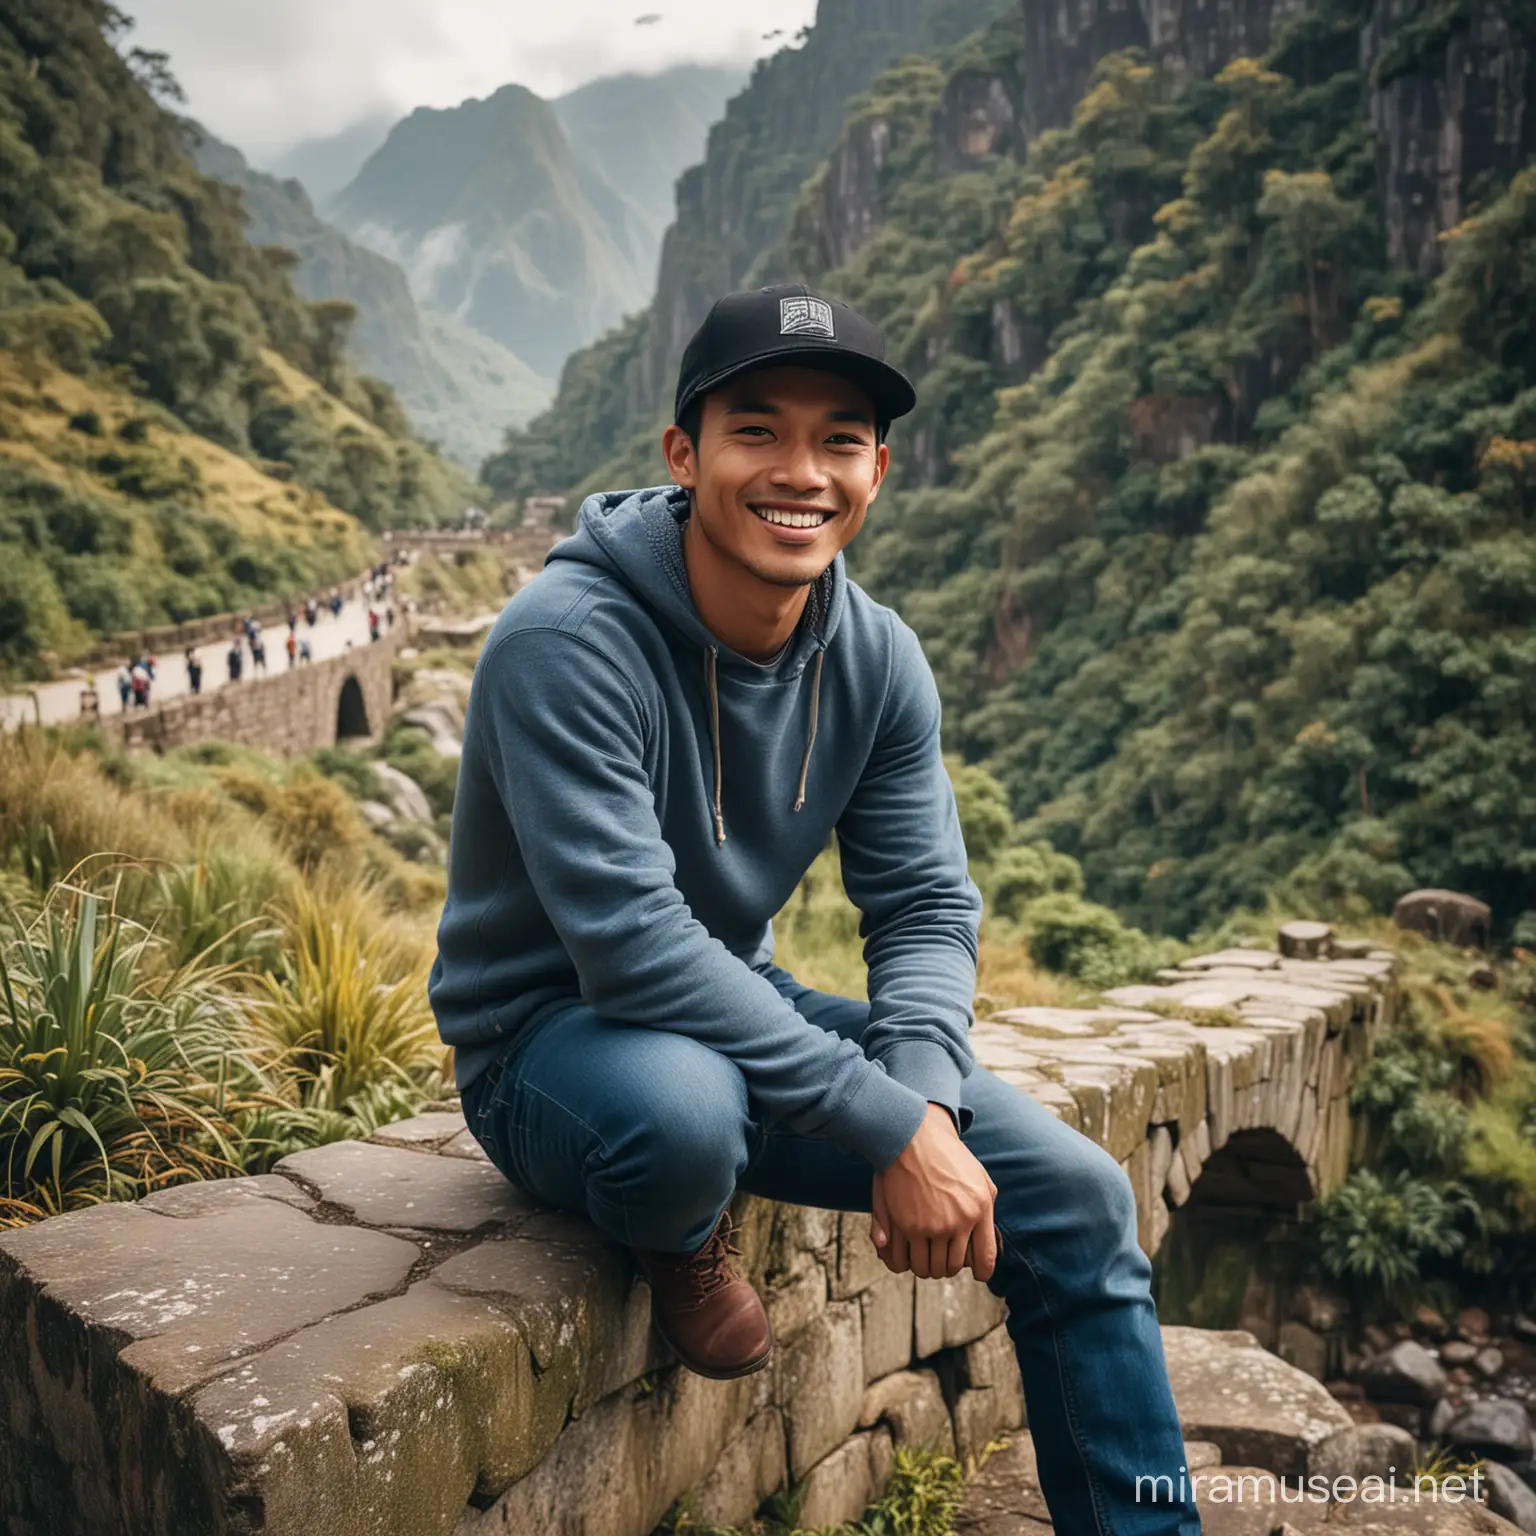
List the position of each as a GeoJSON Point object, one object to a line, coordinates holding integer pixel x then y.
{"type": "Point", "coordinates": [692, 421]}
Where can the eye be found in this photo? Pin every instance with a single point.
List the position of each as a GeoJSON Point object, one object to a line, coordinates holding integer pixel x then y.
{"type": "Point", "coordinates": [846, 437]}
{"type": "Point", "coordinates": [752, 428]}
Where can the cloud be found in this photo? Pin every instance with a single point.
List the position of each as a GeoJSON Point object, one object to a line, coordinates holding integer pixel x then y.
{"type": "Point", "coordinates": [266, 73]}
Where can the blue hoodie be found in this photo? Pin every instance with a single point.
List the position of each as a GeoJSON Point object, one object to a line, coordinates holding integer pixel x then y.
{"type": "Point", "coordinates": [636, 801]}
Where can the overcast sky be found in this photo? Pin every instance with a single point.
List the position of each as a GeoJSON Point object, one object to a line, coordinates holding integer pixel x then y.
{"type": "Point", "coordinates": [266, 73]}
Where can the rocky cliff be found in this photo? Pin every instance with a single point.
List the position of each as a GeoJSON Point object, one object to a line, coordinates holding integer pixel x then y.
{"type": "Point", "coordinates": [1450, 86]}
{"type": "Point", "coordinates": [1450, 102]}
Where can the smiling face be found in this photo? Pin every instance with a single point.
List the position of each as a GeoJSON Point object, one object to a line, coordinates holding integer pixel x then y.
{"type": "Point", "coordinates": [785, 467]}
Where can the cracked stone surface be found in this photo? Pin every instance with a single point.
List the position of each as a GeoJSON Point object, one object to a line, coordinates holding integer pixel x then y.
{"type": "Point", "coordinates": [183, 1297]}
{"type": "Point", "coordinates": [384, 1338]}
{"type": "Point", "coordinates": [386, 1186]}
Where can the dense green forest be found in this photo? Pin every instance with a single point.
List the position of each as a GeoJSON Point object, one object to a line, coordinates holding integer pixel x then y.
{"type": "Point", "coordinates": [1214, 518]}
{"type": "Point", "coordinates": [179, 431]}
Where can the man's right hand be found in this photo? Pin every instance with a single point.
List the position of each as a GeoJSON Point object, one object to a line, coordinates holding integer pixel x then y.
{"type": "Point", "coordinates": [933, 1206]}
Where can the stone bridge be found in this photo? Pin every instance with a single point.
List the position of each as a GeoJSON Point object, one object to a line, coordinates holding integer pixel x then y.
{"type": "Point", "coordinates": [384, 1338]}
{"type": "Point", "coordinates": [340, 699]}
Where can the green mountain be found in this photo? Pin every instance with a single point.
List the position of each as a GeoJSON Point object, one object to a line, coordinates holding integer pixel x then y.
{"type": "Point", "coordinates": [458, 386]}
{"type": "Point", "coordinates": [643, 131]}
{"type": "Point", "coordinates": [732, 212]}
{"type": "Point", "coordinates": [180, 431]}
{"type": "Point", "coordinates": [325, 165]}
{"type": "Point", "coordinates": [497, 220]}
{"type": "Point", "coordinates": [1216, 517]}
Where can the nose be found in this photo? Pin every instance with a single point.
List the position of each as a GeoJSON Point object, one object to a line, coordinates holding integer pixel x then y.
{"type": "Point", "coordinates": [800, 468]}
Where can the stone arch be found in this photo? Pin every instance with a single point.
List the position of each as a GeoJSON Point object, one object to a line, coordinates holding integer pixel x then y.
{"type": "Point", "coordinates": [1230, 1256]}
{"type": "Point", "coordinates": [351, 710]}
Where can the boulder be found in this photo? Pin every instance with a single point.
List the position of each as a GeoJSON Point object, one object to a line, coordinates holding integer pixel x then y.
{"type": "Point", "coordinates": [1406, 1373]}
{"type": "Point", "coordinates": [444, 724]}
{"type": "Point", "coordinates": [1509, 1496]}
{"type": "Point", "coordinates": [403, 793]}
{"type": "Point", "coordinates": [1446, 916]}
{"type": "Point", "coordinates": [1385, 1451]}
{"type": "Point", "coordinates": [1308, 1351]}
{"type": "Point", "coordinates": [1256, 1408]}
{"type": "Point", "coordinates": [1495, 1427]}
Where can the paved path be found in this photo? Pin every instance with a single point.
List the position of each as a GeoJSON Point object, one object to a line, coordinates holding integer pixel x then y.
{"type": "Point", "coordinates": [60, 701]}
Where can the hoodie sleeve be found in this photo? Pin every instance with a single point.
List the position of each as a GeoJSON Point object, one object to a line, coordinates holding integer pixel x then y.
{"type": "Point", "coordinates": [566, 745]}
{"type": "Point", "coordinates": [904, 866]}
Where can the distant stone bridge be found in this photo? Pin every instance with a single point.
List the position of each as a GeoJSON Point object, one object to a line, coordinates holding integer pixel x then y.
{"type": "Point", "coordinates": [344, 698]}
{"type": "Point", "coordinates": [384, 1338]}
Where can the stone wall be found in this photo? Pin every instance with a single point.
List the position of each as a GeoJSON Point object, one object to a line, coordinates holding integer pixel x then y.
{"type": "Point", "coordinates": [387, 1339]}
{"type": "Point", "coordinates": [291, 711]}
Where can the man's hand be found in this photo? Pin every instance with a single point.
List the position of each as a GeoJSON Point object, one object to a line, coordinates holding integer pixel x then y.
{"type": "Point", "coordinates": [933, 1206]}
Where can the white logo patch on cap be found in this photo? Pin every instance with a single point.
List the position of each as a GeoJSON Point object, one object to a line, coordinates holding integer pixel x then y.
{"type": "Point", "coordinates": [806, 317]}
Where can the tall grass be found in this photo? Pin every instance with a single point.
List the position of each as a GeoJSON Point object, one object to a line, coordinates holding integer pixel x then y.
{"type": "Point", "coordinates": [113, 1066]}
{"type": "Point", "coordinates": [346, 1012]}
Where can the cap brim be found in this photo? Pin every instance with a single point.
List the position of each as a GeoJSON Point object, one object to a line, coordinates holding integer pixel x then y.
{"type": "Point", "coordinates": [888, 387]}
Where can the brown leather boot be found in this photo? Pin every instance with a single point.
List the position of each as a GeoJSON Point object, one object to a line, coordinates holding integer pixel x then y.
{"type": "Point", "coordinates": [711, 1318]}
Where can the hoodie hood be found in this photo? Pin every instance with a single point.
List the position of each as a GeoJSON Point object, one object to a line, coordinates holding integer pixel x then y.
{"type": "Point", "coordinates": [637, 538]}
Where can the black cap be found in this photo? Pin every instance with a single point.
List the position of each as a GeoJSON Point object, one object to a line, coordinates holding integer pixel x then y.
{"type": "Point", "coordinates": [785, 325]}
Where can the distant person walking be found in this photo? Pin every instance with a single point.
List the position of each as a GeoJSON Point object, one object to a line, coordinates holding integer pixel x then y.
{"type": "Point", "coordinates": [259, 654]}
{"type": "Point", "coordinates": [335, 602]}
{"type": "Point", "coordinates": [141, 682]}
{"type": "Point", "coordinates": [311, 611]}
{"type": "Point", "coordinates": [125, 683]}
{"type": "Point", "coordinates": [194, 672]}
{"type": "Point", "coordinates": [291, 645]}
{"type": "Point", "coordinates": [235, 661]}
{"type": "Point", "coordinates": [305, 654]}
{"type": "Point", "coordinates": [373, 624]}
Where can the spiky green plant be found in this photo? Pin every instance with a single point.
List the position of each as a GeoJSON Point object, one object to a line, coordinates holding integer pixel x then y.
{"type": "Point", "coordinates": [217, 905]}
{"type": "Point", "coordinates": [114, 1067]}
{"type": "Point", "coordinates": [347, 1011]}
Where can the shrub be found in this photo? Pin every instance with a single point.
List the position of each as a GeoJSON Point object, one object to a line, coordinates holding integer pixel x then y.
{"type": "Point", "coordinates": [1025, 872]}
{"type": "Point", "coordinates": [108, 1061]}
{"type": "Point", "coordinates": [218, 906]}
{"type": "Point", "coordinates": [350, 769]}
{"type": "Point", "coordinates": [347, 1011]}
{"type": "Point", "coordinates": [59, 812]}
{"type": "Point", "coordinates": [1082, 939]}
{"type": "Point", "coordinates": [986, 823]}
{"type": "Point", "coordinates": [1378, 1232]}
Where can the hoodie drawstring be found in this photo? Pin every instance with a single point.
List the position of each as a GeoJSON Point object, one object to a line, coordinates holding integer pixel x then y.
{"type": "Point", "coordinates": [810, 739]}
{"type": "Point", "coordinates": [714, 736]}
{"type": "Point", "coordinates": [710, 681]}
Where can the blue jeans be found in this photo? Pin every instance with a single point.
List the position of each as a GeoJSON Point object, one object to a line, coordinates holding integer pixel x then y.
{"type": "Point", "coordinates": [651, 1134]}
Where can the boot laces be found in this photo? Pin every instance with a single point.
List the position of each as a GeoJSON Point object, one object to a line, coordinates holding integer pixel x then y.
{"type": "Point", "coordinates": [711, 1266]}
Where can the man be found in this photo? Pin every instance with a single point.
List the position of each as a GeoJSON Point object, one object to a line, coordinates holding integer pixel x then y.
{"type": "Point", "coordinates": [664, 729]}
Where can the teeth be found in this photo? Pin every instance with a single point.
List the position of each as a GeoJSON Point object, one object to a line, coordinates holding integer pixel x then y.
{"type": "Point", "coordinates": [793, 519]}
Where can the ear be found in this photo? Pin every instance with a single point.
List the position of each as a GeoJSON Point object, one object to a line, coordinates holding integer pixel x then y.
{"type": "Point", "coordinates": [682, 459]}
{"type": "Point", "coordinates": [882, 463]}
